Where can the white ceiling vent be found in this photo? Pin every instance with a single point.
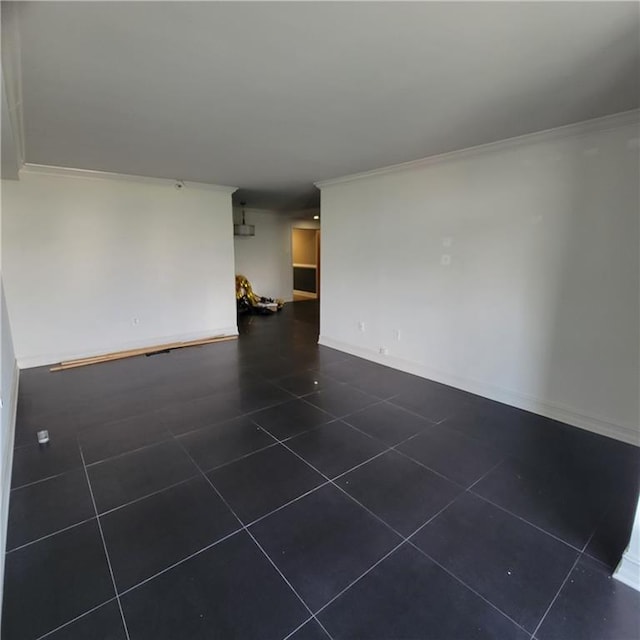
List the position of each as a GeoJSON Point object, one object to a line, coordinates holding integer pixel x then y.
{"type": "Point", "coordinates": [245, 230]}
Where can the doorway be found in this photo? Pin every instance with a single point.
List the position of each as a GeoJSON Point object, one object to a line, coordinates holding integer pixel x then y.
{"type": "Point", "coordinates": [305, 253]}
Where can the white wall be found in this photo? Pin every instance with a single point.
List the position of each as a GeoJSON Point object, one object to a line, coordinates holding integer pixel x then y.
{"type": "Point", "coordinates": [539, 305]}
{"type": "Point", "coordinates": [265, 259]}
{"type": "Point", "coordinates": [628, 570]}
{"type": "Point", "coordinates": [84, 254]}
{"type": "Point", "coordinates": [9, 376]}
{"type": "Point", "coordinates": [305, 224]}
{"type": "Point", "coordinates": [8, 405]}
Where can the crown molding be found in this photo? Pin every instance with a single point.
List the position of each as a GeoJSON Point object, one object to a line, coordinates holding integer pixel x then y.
{"type": "Point", "coordinates": [70, 172]}
{"type": "Point", "coordinates": [570, 130]}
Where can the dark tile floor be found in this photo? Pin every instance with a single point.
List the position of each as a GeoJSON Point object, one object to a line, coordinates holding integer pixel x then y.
{"type": "Point", "coordinates": [269, 488]}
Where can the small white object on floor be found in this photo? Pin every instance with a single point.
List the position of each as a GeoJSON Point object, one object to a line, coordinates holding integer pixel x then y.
{"type": "Point", "coordinates": [43, 436]}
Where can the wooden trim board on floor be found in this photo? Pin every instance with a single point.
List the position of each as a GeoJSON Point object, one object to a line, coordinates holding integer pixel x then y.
{"type": "Point", "coordinates": [129, 353]}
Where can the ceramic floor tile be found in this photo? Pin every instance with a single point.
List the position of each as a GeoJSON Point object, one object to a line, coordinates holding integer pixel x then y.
{"type": "Point", "coordinates": [408, 596]}
{"type": "Point", "coordinates": [147, 536]}
{"type": "Point", "coordinates": [106, 440]}
{"type": "Point", "coordinates": [182, 417]}
{"type": "Point", "coordinates": [310, 631]}
{"type": "Point", "coordinates": [556, 502]}
{"type": "Point", "coordinates": [264, 481]}
{"type": "Point", "coordinates": [36, 462]}
{"type": "Point", "coordinates": [461, 459]}
{"type": "Point", "coordinates": [323, 542]}
{"type": "Point", "coordinates": [341, 400]}
{"type": "Point", "coordinates": [515, 566]}
{"type": "Point", "coordinates": [291, 418]}
{"type": "Point", "coordinates": [45, 507]}
{"type": "Point", "coordinates": [133, 475]}
{"type": "Point", "coordinates": [63, 575]}
{"type": "Point", "coordinates": [593, 606]}
{"type": "Point", "coordinates": [105, 623]}
{"type": "Point", "coordinates": [401, 492]}
{"type": "Point", "coordinates": [146, 423]}
{"type": "Point", "coordinates": [222, 443]}
{"type": "Point", "coordinates": [388, 423]}
{"type": "Point", "coordinates": [228, 591]}
{"type": "Point", "coordinates": [335, 448]}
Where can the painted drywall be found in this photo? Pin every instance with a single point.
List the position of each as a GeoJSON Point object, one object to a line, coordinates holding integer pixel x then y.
{"type": "Point", "coordinates": [509, 270]}
{"type": "Point", "coordinates": [12, 139]}
{"type": "Point", "coordinates": [628, 570]}
{"type": "Point", "coordinates": [9, 153]}
{"type": "Point", "coordinates": [265, 259]}
{"type": "Point", "coordinates": [8, 404]}
{"type": "Point", "coordinates": [303, 242]}
{"type": "Point", "coordinates": [94, 263]}
{"type": "Point", "coordinates": [305, 223]}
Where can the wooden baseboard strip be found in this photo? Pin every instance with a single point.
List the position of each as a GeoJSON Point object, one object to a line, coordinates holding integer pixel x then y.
{"type": "Point", "coordinates": [130, 353]}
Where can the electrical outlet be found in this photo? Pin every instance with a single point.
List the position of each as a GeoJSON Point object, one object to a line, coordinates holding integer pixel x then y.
{"type": "Point", "coordinates": [135, 321]}
{"type": "Point", "coordinates": [383, 351]}
{"type": "Point", "coordinates": [445, 260]}
{"type": "Point", "coordinates": [398, 334]}
{"type": "Point", "coordinates": [361, 326]}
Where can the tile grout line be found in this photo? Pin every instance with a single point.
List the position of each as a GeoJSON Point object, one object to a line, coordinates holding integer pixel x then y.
{"type": "Point", "coordinates": [181, 561]}
{"type": "Point", "coordinates": [171, 435]}
{"type": "Point", "coordinates": [82, 615]}
{"type": "Point", "coordinates": [349, 413]}
{"type": "Point", "coordinates": [104, 546]}
{"type": "Point", "coordinates": [175, 402]}
{"type": "Point", "coordinates": [462, 582]}
{"type": "Point", "coordinates": [292, 633]}
{"type": "Point", "coordinates": [123, 454]}
{"type": "Point", "coordinates": [441, 423]}
{"type": "Point", "coordinates": [51, 477]}
{"type": "Point", "coordinates": [336, 382]}
{"type": "Point", "coordinates": [531, 524]}
{"type": "Point", "coordinates": [484, 475]}
{"type": "Point", "coordinates": [481, 497]}
{"type": "Point", "coordinates": [601, 519]}
{"type": "Point", "coordinates": [373, 566]}
{"type": "Point", "coordinates": [234, 460]}
{"type": "Point", "coordinates": [198, 472]}
{"type": "Point", "coordinates": [329, 481]}
{"type": "Point", "coordinates": [286, 504]}
{"type": "Point", "coordinates": [148, 495]}
{"type": "Point", "coordinates": [424, 466]}
{"type": "Point", "coordinates": [28, 544]}
{"type": "Point", "coordinates": [250, 534]}
{"type": "Point", "coordinates": [464, 488]}
{"type": "Point", "coordinates": [407, 540]}
{"type": "Point", "coordinates": [553, 601]}
{"type": "Point", "coordinates": [277, 441]}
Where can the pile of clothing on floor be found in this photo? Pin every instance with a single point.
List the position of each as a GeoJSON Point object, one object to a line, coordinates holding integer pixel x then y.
{"type": "Point", "coordinates": [249, 302]}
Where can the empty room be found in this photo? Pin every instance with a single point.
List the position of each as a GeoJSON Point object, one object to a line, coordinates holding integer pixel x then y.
{"type": "Point", "coordinates": [320, 320]}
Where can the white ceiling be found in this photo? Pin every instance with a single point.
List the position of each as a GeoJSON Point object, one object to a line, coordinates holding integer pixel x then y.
{"type": "Point", "coordinates": [271, 97]}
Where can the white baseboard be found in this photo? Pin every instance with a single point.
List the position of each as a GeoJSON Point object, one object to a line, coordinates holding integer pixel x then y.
{"type": "Point", "coordinates": [28, 362]}
{"type": "Point", "coordinates": [628, 571]}
{"type": "Point", "coordinates": [568, 415]}
{"type": "Point", "coordinates": [5, 480]}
